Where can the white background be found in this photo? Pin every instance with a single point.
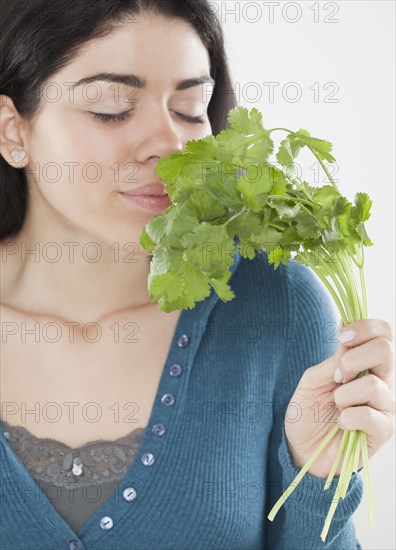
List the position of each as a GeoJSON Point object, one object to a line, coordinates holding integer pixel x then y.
{"type": "Point", "coordinates": [352, 45]}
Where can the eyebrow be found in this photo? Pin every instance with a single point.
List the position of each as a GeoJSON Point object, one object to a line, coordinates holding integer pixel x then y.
{"type": "Point", "coordinates": [141, 83]}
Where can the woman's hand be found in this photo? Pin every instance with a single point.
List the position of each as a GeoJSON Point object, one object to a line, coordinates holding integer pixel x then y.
{"type": "Point", "coordinates": [365, 403]}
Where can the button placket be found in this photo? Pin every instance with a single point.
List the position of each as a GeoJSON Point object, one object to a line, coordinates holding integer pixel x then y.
{"type": "Point", "coordinates": [158, 429]}
{"type": "Point", "coordinates": [167, 399]}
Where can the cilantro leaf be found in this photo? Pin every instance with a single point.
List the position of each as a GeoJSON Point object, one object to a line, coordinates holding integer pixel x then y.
{"type": "Point", "coordinates": [169, 168]}
{"type": "Point", "coordinates": [284, 210]}
{"type": "Point", "coordinates": [145, 241]}
{"type": "Point", "coordinates": [209, 248]}
{"type": "Point", "coordinates": [361, 210]}
{"type": "Point", "coordinates": [221, 287]}
{"type": "Point", "coordinates": [278, 255]}
{"type": "Point", "coordinates": [288, 151]}
{"type": "Point", "coordinates": [261, 149]}
{"type": "Point", "coordinates": [231, 145]}
{"type": "Point", "coordinates": [255, 186]}
{"type": "Point", "coordinates": [205, 206]}
{"type": "Point", "coordinates": [321, 147]}
{"type": "Point", "coordinates": [171, 224]}
{"type": "Point", "coordinates": [306, 227]}
{"type": "Point", "coordinates": [246, 122]}
{"type": "Point", "coordinates": [206, 147]}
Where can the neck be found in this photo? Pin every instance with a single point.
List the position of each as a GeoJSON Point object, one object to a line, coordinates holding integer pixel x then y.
{"type": "Point", "coordinates": [88, 281]}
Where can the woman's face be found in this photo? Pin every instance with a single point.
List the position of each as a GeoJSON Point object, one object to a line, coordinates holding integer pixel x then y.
{"type": "Point", "coordinates": [79, 164]}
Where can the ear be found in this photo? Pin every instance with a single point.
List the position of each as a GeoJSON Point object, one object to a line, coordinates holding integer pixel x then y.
{"type": "Point", "coordinates": [13, 141]}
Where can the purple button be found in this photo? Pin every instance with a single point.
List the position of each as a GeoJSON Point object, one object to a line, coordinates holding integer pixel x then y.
{"type": "Point", "coordinates": [167, 399]}
{"type": "Point", "coordinates": [175, 370]}
{"type": "Point", "coordinates": [148, 459]}
{"type": "Point", "coordinates": [158, 429]}
{"type": "Point", "coordinates": [183, 341]}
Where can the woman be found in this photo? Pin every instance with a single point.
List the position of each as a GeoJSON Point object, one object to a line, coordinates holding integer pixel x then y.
{"type": "Point", "coordinates": [124, 426]}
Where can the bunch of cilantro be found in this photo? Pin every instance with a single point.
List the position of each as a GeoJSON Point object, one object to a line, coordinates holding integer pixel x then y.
{"type": "Point", "coordinates": [228, 196]}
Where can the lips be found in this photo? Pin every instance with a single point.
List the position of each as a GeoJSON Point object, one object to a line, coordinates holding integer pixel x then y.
{"type": "Point", "coordinates": [155, 189]}
{"type": "Point", "coordinates": [151, 197]}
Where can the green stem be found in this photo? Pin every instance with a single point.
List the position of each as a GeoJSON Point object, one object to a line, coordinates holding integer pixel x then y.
{"type": "Point", "coordinates": [333, 183]}
{"type": "Point", "coordinates": [337, 266]}
{"type": "Point", "coordinates": [363, 286]}
{"type": "Point", "coordinates": [236, 215]}
{"type": "Point", "coordinates": [301, 187]}
{"type": "Point", "coordinates": [294, 199]}
{"type": "Point", "coordinates": [343, 482]}
{"type": "Point", "coordinates": [282, 129]}
{"type": "Point", "coordinates": [333, 273]}
{"type": "Point", "coordinates": [301, 474]}
{"type": "Point", "coordinates": [367, 480]}
{"type": "Point", "coordinates": [276, 226]}
{"type": "Point", "coordinates": [352, 290]}
{"type": "Point", "coordinates": [333, 470]}
{"type": "Point", "coordinates": [343, 477]}
{"type": "Point", "coordinates": [357, 444]}
{"type": "Point", "coordinates": [348, 260]}
{"type": "Point", "coordinates": [330, 513]}
{"type": "Point", "coordinates": [364, 298]}
{"type": "Point", "coordinates": [358, 452]}
{"type": "Point", "coordinates": [350, 463]}
{"type": "Point", "coordinates": [305, 258]}
{"type": "Point", "coordinates": [344, 271]}
{"type": "Point", "coordinates": [359, 261]}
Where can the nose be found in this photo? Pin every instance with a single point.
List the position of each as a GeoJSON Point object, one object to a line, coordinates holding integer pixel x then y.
{"type": "Point", "coordinates": [158, 138]}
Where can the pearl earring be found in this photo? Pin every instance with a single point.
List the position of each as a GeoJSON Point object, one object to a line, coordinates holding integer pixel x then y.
{"type": "Point", "coordinates": [18, 156]}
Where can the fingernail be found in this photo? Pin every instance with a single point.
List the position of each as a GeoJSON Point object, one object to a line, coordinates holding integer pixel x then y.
{"type": "Point", "coordinates": [338, 376]}
{"type": "Point", "coordinates": [346, 336]}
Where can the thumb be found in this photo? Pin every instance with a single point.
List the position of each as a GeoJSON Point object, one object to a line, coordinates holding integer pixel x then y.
{"type": "Point", "coordinates": [324, 373]}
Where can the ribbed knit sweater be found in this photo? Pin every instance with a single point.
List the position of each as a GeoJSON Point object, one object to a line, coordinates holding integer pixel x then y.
{"type": "Point", "coordinates": [222, 460]}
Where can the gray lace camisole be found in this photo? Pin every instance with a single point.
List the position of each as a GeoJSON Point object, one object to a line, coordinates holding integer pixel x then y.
{"type": "Point", "coordinates": [77, 481]}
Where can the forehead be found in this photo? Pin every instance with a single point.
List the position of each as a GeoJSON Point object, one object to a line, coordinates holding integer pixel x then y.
{"type": "Point", "coordinates": [160, 50]}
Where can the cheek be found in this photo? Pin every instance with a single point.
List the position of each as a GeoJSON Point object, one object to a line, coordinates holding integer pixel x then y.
{"type": "Point", "coordinates": [76, 173]}
{"type": "Point", "coordinates": [200, 130]}
{"type": "Point", "coordinates": [70, 162]}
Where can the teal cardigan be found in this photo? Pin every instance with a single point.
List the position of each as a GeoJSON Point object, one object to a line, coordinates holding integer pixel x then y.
{"type": "Point", "coordinates": [220, 457]}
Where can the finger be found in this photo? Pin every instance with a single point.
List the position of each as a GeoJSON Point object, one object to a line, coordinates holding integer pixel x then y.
{"type": "Point", "coordinates": [366, 390]}
{"type": "Point", "coordinates": [363, 330]}
{"type": "Point", "coordinates": [377, 355]}
{"type": "Point", "coordinates": [377, 425]}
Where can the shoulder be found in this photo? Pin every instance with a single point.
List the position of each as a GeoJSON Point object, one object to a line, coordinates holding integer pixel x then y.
{"type": "Point", "coordinates": [291, 297]}
{"type": "Point", "coordinates": [294, 286]}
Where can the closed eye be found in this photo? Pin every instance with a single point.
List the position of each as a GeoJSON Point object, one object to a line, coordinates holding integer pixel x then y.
{"type": "Point", "coordinates": [191, 119]}
{"type": "Point", "coordinates": [114, 118]}
{"type": "Point", "coordinates": [123, 116]}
